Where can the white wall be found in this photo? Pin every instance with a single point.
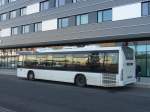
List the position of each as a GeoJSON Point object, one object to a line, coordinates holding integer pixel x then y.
{"type": "Point", "coordinates": [126, 11]}
{"type": "Point", "coordinates": [5, 32]}
{"type": "Point", "coordinates": [49, 25]}
{"type": "Point", "coordinates": [34, 8]}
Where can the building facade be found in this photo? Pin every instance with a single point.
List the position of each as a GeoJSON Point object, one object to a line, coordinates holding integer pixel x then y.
{"type": "Point", "coordinates": [30, 24]}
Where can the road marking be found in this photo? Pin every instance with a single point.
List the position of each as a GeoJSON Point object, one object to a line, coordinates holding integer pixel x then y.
{"type": "Point", "coordinates": [2, 109]}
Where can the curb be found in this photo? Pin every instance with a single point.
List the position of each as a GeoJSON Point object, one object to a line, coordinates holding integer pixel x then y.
{"type": "Point", "coordinates": [141, 85]}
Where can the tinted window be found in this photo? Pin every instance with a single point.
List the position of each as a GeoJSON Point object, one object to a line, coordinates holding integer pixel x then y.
{"type": "Point", "coordinates": [82, 19]}
{"type": "Point", "coordinates": [14, 31]}
{"type": "Point", "coordinates": [25, 29]}
{"type": "Point", "coordinates": [107, 15]}
{"type": "Point", "coordinates": [4, 17]}
{"type": "Point", "coordinates": [60, 3]}
{"type": "Point", "coordinates": [2, 2]}
{"type": "Point", "coordinates": [30, 61]}
{"type": "Point", "coordinates": [111, 62]}
{"type": "Point", "coordinates": [102, 62]}
{"type": "Point", "coordinates": [13, 14]}
{"type": "Point", "coordinates": [80, 61]}
{"type": "Point", "coordinates": [63, 22]}
{"type": "Point", "coordinates": [100, 16]}
{"type": "Point", "coordinates": [23, 11]}
{"type": "Point", "coordinates": [11, 1]}
{"type": "Point", "coordinates": [44, 5]}
{"type": "Point", "coordinates": [37, 27]}
{"type": "Point", "coordinates": [59, 61]}
{"type": "Point", "coordinates": [145, 9]}
{"type": "Point", "coordinates": [129, 53]}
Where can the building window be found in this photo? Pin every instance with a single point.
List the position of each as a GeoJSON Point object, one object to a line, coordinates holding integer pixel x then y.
{"type": "Point", "coordinates": [2, 2]}
{"type": "Point", "coordinates": [4, 17]}
{"type": "Point", "coordinates": [75, 1]}
{"type": "Point", "coordinates": [145, 8]}
{"type": "Point", "coordinates": [14, 30]}
{"type": "Point", "coordinates": [60, 3]}
{"type": "Point", "coordinates": [82, 19]}
{"type": "Point", "coordinates": [105, 15]}
{"type": "Point", "coordinates": [44, 5]}
{"type": "Point", "coordinates": [11, 1]}
{"type": "Point", "coordinates": [63, 22]}
{"type": "Point", "coordinates": [37, 27]}
{"type": "Point", "coordinates": [25, 29]}
{"type": "Point", "coordinates": [23, 11]}
{"type": "Point", "coordinates": [13, 14]}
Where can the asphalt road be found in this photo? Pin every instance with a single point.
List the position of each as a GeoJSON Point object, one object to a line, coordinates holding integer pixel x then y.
{"type": "Point", "coordinates": [17, 95]}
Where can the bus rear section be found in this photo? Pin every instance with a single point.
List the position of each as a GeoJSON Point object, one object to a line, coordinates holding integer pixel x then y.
{"type": "Point", "coordinates": [127, 66]}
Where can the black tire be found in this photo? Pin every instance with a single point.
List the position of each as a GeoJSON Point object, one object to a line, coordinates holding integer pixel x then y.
{"type": "Point", "coordinates": [80, 80]}
{"type": "Point", "coordinates": [30, 75]}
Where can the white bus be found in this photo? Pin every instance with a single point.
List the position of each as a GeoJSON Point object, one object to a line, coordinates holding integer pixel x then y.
{"type": "Point", "coordinates": [98, 66]}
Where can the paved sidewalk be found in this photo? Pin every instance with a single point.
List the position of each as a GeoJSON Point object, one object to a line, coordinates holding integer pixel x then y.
{"type": "Point", "coordinates": [8, 71]}
{"type": "Point", "coordinates": [143, 83]}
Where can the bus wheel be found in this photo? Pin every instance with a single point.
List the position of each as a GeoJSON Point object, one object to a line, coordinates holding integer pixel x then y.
{"type": "Point", "coordinates": [30, 75]}
{"type": "Point", "coordinates": [80, 80]}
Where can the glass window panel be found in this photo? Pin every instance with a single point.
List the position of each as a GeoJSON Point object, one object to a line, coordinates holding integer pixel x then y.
{"type": "Point", "coordinates": [13, 14]}
{"type": "Point", "coordinates": [100, 16]}
{"type": "Point", "coordinates": [14, 31]}
{"type": "Point", "coordinates": [69, 60]}
{"type": "Point", "coordinates": [44, 5]}
{"type": "Point", "coordinates": [78, 20]}
{"type": "Point", "coordinates": [49, 61]}
{"type": "Point", "coordinates": [111, 62]}
{"type": "Point", "coordinates": [30, 61]}
{"type": "Point", "coordinates": [65, 22]}
{"type": "Point", "coordinates": [145, 9]}
{"type": "Point", "coordinates": [141, 61]}
{"type": "Point", "coordinates": [59, 23]}
{"type": "Point", "coordinates": [95, 62]}
{"type": "Point", "coordinates": [2, 2]}
{"type": "Point", "coordinates": [74, 1]}
{"type": "Point", "coordinates": [107, 15]}
{"type": "Point", "coordinates": [41, 61]}
{"type": "Point", "coordinates": [148, 8]}
{"type": "Point", "coordinates": [23, 11]}
{"type": "Point", "coordinates": [141, 48]}
{"type": "Point", "coordinates": [84, 19]}
{"type": "Point", "coordinates": [148, 64]}
{"type": "Point", "coordinates": [11, 1]}
{"type": "Point", "coordinates": [61, 2]}
{"type": "Point", "coordinates": [4, 17]}
{"type": "Point", "coordinates": [59, 61]}
{"type": "Point", "coordinates": [57, 3]}
{"type": "Point", "coordinates": [80, 61]}
{"type": "Point", "coordinates": [148, 45]}
{"type": "Point", "coordinates": [37, 27]}
{"type": "Point", "coordinates": [26, 29]}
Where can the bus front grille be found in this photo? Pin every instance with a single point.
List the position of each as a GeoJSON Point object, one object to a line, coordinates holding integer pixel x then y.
{"type": "Point", "coordinates": [108, 80]}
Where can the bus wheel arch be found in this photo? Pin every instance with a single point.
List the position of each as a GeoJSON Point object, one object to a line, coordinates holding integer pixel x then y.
{"type": "Point", "coordinates": [80, 80]}
{"type": "Point", "coordinates": [30, 75]}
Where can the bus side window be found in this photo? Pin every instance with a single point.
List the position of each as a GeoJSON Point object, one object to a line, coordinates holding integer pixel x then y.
{"type": "Point", "coordinates": [95, 61]}
{"type": "Point", "coordinates": [79, 62]}
{"type": "Point", "coordinates": [111, 62]}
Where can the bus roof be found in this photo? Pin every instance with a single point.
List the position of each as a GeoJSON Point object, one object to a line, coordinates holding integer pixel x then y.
{"type": "Point", "coordinates": [65, 50]}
